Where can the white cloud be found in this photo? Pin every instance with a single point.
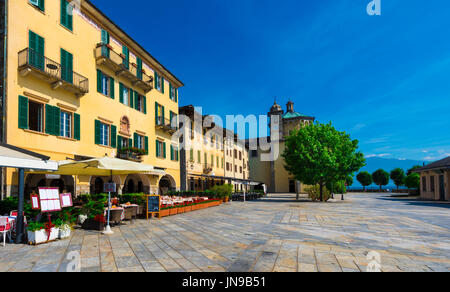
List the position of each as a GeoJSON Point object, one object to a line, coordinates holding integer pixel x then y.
{"type": "Point", "coordinates": [378, 155]}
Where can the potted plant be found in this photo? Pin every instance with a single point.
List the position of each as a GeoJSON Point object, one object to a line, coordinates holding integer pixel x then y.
{"type": "Point", "coordinates": [174, 210]}
{"type": "Point", "coordinates": [164, 211]}
{"type": "Point", "coordinates": [94, 211]}
{"type": "Point", "coordinates": [64, 227]}
{"type": "Point", "coordinates": [188, 207]}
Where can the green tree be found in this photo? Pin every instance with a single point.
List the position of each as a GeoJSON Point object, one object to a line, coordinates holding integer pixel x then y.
{"type": "Point", "coordinates": [412, 181]}
{"type": "Point", "coordinates": [349, 180]}
{"type": "Point", "coordinates": [398, 176]}
{"type": "Point", "coordinates": [412, 169]}
{"type": "Point", "coordinates": [365, 179]}
{"type": "Point", "coordinates": [380, 178]}
{"type": "Point", "coordinates": [318, 154]}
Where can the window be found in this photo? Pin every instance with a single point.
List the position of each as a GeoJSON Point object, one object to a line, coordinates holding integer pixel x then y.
{"type": "Point", "coordinates": [105, 84]}
{"type": "Point", "coordinates": [159, 83]}
{"type": "Point", "coordinates": [126, 60]}
{"type": "Point", "coordinates": [35, 116]}
{"type": "Point", "coordinates": [174, 156]}
{"type": "Point", "coordinates": [66, 125]}
{"type": "Point", "coordinates": [173, 93]}
{"type": "Point", "coordinates": [159, 114]}
{"type": "Point", "coordinates": [66, 66]}
{"type": "Point", "coordinates": [191, 155]}
{"type": "Point", "coordinates": [140, 103]}
{"type": "Point", "coordinates": [36, 46]}
{"type": "Point", "coordinates": [254, 153]}
{"type": "Point", "coordinates": [199, 156]}
{"type": "Point", "coordinates": [235, 168]}
{"type": "Point", "coordinates": [139, 140]}
{"type": "Point", "coordinates": [66, 14]}
{"type": "Point", "coordinates": [123, 142]}
{"type": "Point", "coordinates": [38, 3]}
{"type": "Point", "coordinates": [104, 134]}
{"type": "Point", "coordinates": [235, 153]}
{"type": "Point", "coordinates": [432, 186]}
{"type": "Point", "coordinates": [424, 183]}
{"type": "Point", "coordinates": [240, 155]}
{"type": "Point", "coordinates": [240, 169]}
{"type": "Point", "coordinates": [160, 149]}
{"type": "Point", "coordinates": [125, 95]}
{"type": "Point", "coordinates": [212, 160]}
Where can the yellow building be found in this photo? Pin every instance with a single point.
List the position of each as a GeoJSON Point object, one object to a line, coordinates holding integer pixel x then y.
{"type": "Point", "coordinates": [435, 180]}
{"type": "Point", "coordinates": [210, 158]}
{"type": "Point", "coordinates": [76, 86]}
{"type": "Point", "coordinates": [273, 173]}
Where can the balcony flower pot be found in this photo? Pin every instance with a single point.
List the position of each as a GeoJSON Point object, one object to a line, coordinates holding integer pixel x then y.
{"type": "Point", "coordinates": [41, 236]}
{"type": "Point", "coordinates": [173, 211]}
{"type": "Point", "coordinates": [164, 213]}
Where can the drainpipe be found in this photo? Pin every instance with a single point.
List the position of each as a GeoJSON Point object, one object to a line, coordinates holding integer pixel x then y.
{"type": "Point", "coordinates": [4, 87]}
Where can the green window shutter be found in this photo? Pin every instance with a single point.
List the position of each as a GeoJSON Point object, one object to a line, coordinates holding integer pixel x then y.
{"type": "Point", "coordinates": [119, 142]}
{"type": "Point", "coordinates": [66, 14]}
{"type": "Point", "coordinates": [36, 55]}
{"type": "Point", "coordinates": [76, 127]}
{"type": "Point", "coordinates": [121, 88]}
{"type": "Point", "coordinates": [135, 137]}
{"type": "Point", "coordinates": [164, 149]}
{"type": "Point", "coordinates": [176, 94]}
{"type": "Point", "coordinates": [163, 114]}
{"type": "Point", "coordinates": [145, 103]}
{"type": "Point", "coordinates": [146, 145]}
{"type": "Point", "coordinates": [172, 153]}
{"type": "Point", "coordinates": [57, 121]}
{"type": "Point", "coordinates": [191, 155]}
{"type": "Point", "coordinates": [156, 113]}
{"type": "Point", "coordinates": [155, 80]}
{"type": "Point", "coordinates": [157, 148]}
{"type": "Point", "coordinates": [136, 100]}
{"type": "Point", "coordinates": [105, 37]}
{"type": "Point", "coordinates": [66, 66]}
{"type": "Point", "coordinates": [49, 119]}
{"type": "Point", "coordinates": [113, 136]}
{"type": "Point", "coordinates": [23, 112]}
{"type": "Point", "coordinates": [126, 61]}
{"type": "Point", "coordinates": [131, 103]}
{"type": "Point", "coordinates": [139, 68]}
{"type": "Point", "coordinates": [97, 132]}
{"type": "Point", "coordinates": [99, 81]}
{"type": "Point", "coordinates": [130, 142]}
{"type": "Point", "coordinates": [170, 90]}
{"type": "Point", "coordinates": [112, 86]}
{"type": "Point", "coordinates": [162, 85]}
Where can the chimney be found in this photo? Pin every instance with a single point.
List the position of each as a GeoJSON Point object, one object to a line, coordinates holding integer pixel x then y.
{"type": "Point", "coordinates": [290, 107]}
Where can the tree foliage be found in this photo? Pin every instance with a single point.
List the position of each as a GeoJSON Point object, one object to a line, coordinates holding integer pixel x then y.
{"type": "Point", "coordinates": [412, 181]}
{"type": "Point", "coordinates": [365, 179]}
{"type": "Point", "coordinates": [412, 169]}
{"type": "Point", "coordinates": [380, 178]}
{"type": "Point", "coordinates": [318, 154]}
{"type": "Point", "coordinates": [398, 176]}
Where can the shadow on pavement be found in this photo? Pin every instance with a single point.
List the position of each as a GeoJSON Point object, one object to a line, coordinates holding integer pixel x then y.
{"type": "Point", "coordinates": [415, 202]}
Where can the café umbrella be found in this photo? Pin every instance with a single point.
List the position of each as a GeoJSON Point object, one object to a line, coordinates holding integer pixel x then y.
{"type": "Point", "coordinates": [104, 166]}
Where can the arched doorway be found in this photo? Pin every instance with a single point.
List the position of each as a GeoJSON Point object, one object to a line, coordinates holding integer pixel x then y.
{"type": "Point", "coordinates": [98, 185]}
{"type": "Point", "coordinates": [35, 181]}
{"type": "Point", "coordinates": [131, 186]}
{"type": "Point", "coordinates": [166, 184]}
{"type": "Point", "coordinates": [136, 183]}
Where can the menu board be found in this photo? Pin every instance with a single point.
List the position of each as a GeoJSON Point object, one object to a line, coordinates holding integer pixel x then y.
{"type": "Point", "coordinates": [66, 200]}
{"type": "Point", "coordinates": [49, 199]}
{"type": "Point", "coordinates": [153, 204]}
{"type": "Point", "coordinates": [35, 202]}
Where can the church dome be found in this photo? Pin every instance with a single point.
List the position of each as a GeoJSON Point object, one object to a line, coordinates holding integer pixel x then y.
{"type": "Point", "coordinates": [275, 108]}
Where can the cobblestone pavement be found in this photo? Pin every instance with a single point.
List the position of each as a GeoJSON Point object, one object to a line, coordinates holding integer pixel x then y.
{"type": "Point", "coordinates": [274, 234]}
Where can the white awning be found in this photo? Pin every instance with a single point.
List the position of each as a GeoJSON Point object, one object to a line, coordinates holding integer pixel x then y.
{"type": "Point", "coordinates": [11, 156]}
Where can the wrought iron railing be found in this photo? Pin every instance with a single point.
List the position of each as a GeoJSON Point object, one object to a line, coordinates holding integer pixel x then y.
{"type": "Point", "coordinates": [104, 50]}
{"type": "Point", "coordinates": [29, 57]}
{"type": "Point", "coordinates": [166, 123]}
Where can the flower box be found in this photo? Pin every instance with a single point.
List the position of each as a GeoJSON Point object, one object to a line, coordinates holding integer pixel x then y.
{"type": "Point", "coordinates": [180, 210]}
{"type": "Point", "coordinates": [41, 236]}
{"type": "Point", "coordinates": [164, 213]}
{"type": "Point", "coordinates": [173, 211]}
{"type": "Point", "coordinates": [194, 207]}
{"type": "Point", "coordinates": [188, 209]}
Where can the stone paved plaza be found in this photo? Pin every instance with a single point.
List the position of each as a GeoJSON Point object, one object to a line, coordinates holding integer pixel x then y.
{"type": "Point", "coordinates": [274, 234]}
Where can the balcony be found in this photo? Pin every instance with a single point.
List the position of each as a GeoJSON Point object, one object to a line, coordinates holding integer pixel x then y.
{"type": "Point", "coordinates": [131, 154]}
{"type": "Point", "coordinates": [207, 168]}
{"type": "Point", "coordinates": [107, 57]}
{"type": "Point", "coordinates": [165, 125]}
{"type": "Point", "coordinates": [59, 77]}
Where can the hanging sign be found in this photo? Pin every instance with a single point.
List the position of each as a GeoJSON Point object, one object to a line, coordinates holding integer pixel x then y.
{"type": "Point", "coordinates": [66, 200]}
{"type": "Point", "coordinates": [35, 202]}
{"type": "Point", "coordinates": [50, 200]}
{"type": "Point", "coordinates": [109, 188]}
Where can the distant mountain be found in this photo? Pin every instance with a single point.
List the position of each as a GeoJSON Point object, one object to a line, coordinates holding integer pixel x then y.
{"type": "Point", "coordinates": [375, 163]}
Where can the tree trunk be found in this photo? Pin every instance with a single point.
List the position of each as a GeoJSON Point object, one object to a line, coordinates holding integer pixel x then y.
{"type": "Point", "coordinates": [381, 190]}
{"type": "Point", "coordinates": [364, 189]}
{"type": "Point", "coordinates": [321, 193]}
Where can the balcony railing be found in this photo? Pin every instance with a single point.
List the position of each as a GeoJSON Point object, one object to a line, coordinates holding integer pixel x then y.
{"type": "Point", "coordinates": [30, 62]}
{"type": "Point", "coordinates": [165, 125]}
{"type": "Point", "coordinates": [131, 154]}
{"type": "Point", "coordinates": [117, 63]}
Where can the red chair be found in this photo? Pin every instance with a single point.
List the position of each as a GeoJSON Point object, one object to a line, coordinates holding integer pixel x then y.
{"type": "Point", "coordinates": [5, 229]}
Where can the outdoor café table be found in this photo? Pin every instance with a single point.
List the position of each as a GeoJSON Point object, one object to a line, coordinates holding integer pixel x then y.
{"type": "Point", "coordinates": [12, 223]}
{"type": "Point", "coordinates": [122, 216]}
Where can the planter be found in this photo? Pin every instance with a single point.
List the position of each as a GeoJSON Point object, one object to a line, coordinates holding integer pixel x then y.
{"type": "Point", "coordinates": [180, 210]}
{"type": "Point", "coordinates": [65, 232]}
{"type": "Point", "coordinates": [188, 209]}
{"type": "Point", "coordinates": [91, 224]}
{"type": "Point", "coordinates": [41, 236]}
{"type": "Point", "coordinates": [194, 207]}
{"type": "Point", "coordinates": [173, 211]}
{"type": "Point", "coordinates": [226, 199]}
{"type": "Point", "coordinates": [164, 213]}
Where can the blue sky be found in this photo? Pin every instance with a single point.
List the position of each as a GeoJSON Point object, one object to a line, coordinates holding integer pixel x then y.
{"type": "Point", "coordinates": [383, 79]}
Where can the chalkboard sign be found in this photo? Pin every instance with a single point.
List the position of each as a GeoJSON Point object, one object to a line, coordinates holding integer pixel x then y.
{"type": "Point", "coordinates": [153, 204]}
